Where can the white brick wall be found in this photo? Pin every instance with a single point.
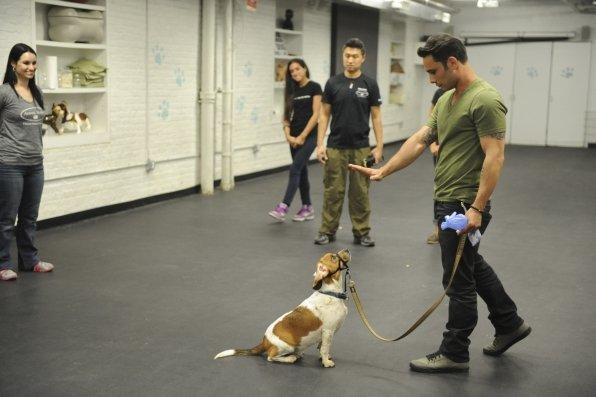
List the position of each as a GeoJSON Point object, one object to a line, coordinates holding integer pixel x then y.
{"type": "Point", "coordinates": [254, 122]}
{"type": "Point", "coordinates": [14, 28]}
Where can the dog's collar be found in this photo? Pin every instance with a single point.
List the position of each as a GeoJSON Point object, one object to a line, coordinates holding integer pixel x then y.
{"type": "Point", "coordinates": [338, 295]}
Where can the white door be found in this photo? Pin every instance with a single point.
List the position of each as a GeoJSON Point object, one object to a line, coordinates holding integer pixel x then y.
{"type": "Point", "coordinates": [529, 113]}
{"type": "Point", "coordinates": [568, 94]}
{"type": "Point", "coordinates": [495, 63]}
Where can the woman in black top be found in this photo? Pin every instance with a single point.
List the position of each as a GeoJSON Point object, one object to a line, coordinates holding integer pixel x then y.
{"type": "Point", "coordinates": [301, 112]}
{"type": "Point", "coordinates": [21, 162]}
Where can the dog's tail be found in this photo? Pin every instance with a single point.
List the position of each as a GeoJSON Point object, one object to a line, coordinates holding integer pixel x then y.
{"type": "Point", "coordinates": [255, 351]}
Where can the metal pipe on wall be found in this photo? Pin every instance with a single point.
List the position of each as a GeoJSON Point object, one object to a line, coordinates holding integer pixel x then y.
{"type": "Point", "coordinates": [227, 177]}
{"type": "Point", "coordinates": [207, 96]}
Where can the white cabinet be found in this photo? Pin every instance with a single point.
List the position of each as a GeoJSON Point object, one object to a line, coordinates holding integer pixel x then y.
{"type": "Point", "coordinates": [90, 100]}
{"type": "Point", "coordinates": [496, 64]}
{"type": "Point", "coordinates": [544, 86]}
{"type": "Point", "coordinates": [529, 113]}
{"type": "Point", "coordinates": [570, 74]}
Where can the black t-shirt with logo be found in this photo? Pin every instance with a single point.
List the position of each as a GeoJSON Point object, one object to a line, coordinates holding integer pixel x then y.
{"type": "Point", "coordinates": [302, 108]}
{"type": "Point", "coordinates": [350, 100]}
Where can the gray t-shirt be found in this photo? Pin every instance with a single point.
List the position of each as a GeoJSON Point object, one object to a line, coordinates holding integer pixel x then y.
{"type": "Point", "coordinates": [20, 129]}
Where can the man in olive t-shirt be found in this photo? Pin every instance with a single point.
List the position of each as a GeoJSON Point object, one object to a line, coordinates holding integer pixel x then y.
{"type": "Point", "coordinates": [469, 122]}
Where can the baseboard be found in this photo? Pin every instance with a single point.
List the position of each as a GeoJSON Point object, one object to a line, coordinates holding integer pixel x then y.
{"type": "Point", "coordinates": [112, 209]}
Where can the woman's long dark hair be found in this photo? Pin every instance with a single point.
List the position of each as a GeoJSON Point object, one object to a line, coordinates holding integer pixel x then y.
{"type": "Point", "coordinates": [291, 87]}
{"type": "Point", "coordinates": [10, 76]}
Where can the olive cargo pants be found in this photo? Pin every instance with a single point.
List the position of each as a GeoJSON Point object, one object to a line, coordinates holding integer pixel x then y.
{"type": "Point", "coordinates": [336, 174]}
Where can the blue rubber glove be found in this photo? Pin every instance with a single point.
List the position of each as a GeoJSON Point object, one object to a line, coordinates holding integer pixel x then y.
{"type": "Point", "coordinates": [458, 222]}
{"type": "Point", "coordinates": [455, 221]}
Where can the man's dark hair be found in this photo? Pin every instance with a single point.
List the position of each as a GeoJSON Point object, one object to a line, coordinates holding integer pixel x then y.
{"type": "Point", "coordinates": [443, 46]}
{"type": "Point", "coordinates": [355, 43]}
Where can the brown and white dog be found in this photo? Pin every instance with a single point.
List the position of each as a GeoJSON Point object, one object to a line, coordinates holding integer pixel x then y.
{"type": "Point", "coordinates": [314, 321]}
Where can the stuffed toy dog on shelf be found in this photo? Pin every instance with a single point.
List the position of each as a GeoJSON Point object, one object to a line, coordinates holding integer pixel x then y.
{"type": "Point", "coordinates": [67, 121]}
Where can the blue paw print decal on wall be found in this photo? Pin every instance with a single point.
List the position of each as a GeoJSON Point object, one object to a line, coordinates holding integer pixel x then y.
{"type": "Point", "coordinates": [240, 102]}
{"type": "Point", "coordinates": [158, 54]}
{"type": "Point", "coordinates": [179, 75]}
{"type": "Point", "coordinates": [567, 72]}
{"type": "Point", "coordinates": [247, 69]}
{"type": "Point", "coordinates": [496, 70]}
{"type": "Point", "coordinates": [254, 115]}
{"type": "Point", "coordinates": [532, 72]}
{"type": "Point", "coordinates": [164, 110]}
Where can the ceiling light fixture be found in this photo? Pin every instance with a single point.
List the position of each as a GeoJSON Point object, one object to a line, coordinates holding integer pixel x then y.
{"type": "Point", "coordinates": [487, 3]}
{"type": "Point", "coordinates": [397, 4]}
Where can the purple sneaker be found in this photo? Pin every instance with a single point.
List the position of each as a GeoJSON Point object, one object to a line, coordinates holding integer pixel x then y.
{"type": "Point", "coordinates": [306, 213]}
{"type": "Point", "coordinates": [279, 212]}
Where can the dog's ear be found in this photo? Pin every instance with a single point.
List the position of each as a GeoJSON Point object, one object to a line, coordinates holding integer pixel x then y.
{"type": "Point", "coordinates": [319, 275]}
{"type": "Point", "coordinates": [345, 255]}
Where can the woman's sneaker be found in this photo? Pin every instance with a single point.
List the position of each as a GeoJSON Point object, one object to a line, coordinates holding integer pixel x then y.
{"type": "Point", "coordinates": [7, 275]}
{"type": "Point", "coordinates": [279, 212]}
{"type": "Point", "coordinates": [306, 213]}
{"type": "Point", "coordinates": [43, 267]}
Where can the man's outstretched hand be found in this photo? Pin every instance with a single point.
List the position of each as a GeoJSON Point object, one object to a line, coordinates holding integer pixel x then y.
{"type": "Point", "coordinates": [375, 174]}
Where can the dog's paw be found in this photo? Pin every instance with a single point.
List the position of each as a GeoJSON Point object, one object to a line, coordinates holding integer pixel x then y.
{"type": "Point", "coordinates": [328, 363]}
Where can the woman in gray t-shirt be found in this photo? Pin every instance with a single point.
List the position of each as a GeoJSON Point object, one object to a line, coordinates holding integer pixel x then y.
{"type": "Point", "coordinates": [21, 162]}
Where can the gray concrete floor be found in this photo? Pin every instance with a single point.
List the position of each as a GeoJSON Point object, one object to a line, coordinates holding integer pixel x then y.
{"type": "Point", "coordinates": [141, 301]}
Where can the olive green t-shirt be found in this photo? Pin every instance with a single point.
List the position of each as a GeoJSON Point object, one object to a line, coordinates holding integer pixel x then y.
{"type": "Point", "coordinates": [478, 112]}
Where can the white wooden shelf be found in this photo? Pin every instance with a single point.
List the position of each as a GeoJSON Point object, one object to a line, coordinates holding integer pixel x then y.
{"type": "Point", "coordinates": [286, 31]}
{"type": "Point", "coordinates": [76, 90]}
{"type": "Point", "coordinates": [77, 46]}
{"type": "Point", "coordinates": [52, 140]}
{"type": "Point", "coordinates": [71, 4]}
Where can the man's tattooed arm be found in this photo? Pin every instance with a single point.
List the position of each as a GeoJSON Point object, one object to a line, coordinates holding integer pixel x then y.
{"type": "Point", "coordinates": [429, 137]}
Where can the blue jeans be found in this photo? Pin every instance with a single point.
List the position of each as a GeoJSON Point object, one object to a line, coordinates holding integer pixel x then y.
{"type": "Point", "coordinates": [299, 171]}
{"type": "Point", "coordinates": [474, 277]}
{"type": "Point", "coordinates": [20, 194]}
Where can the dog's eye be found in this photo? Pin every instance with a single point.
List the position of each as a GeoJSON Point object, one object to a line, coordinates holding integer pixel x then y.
{"type": "Point", "coordinates": [334, 257]}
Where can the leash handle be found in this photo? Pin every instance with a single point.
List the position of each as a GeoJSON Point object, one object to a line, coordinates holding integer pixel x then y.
{"type": "Point", "coordinates": [428, 312]}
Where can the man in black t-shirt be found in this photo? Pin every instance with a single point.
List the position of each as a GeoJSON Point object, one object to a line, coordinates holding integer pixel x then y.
{"type": "Point", "coordinates": [350, 98]}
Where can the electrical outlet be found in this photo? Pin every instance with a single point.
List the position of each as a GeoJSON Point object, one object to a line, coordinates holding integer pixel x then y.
{"type": "Point", "coordinates": [150, 165]}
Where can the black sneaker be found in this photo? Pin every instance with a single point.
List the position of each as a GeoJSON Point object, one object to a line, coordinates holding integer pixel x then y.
{"type": "Point", "coordinates": [365, 240]}
{"type": "Point", "coordinates": [324, 239]}
{"type": "Point", "coordinates": [503, 342]}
